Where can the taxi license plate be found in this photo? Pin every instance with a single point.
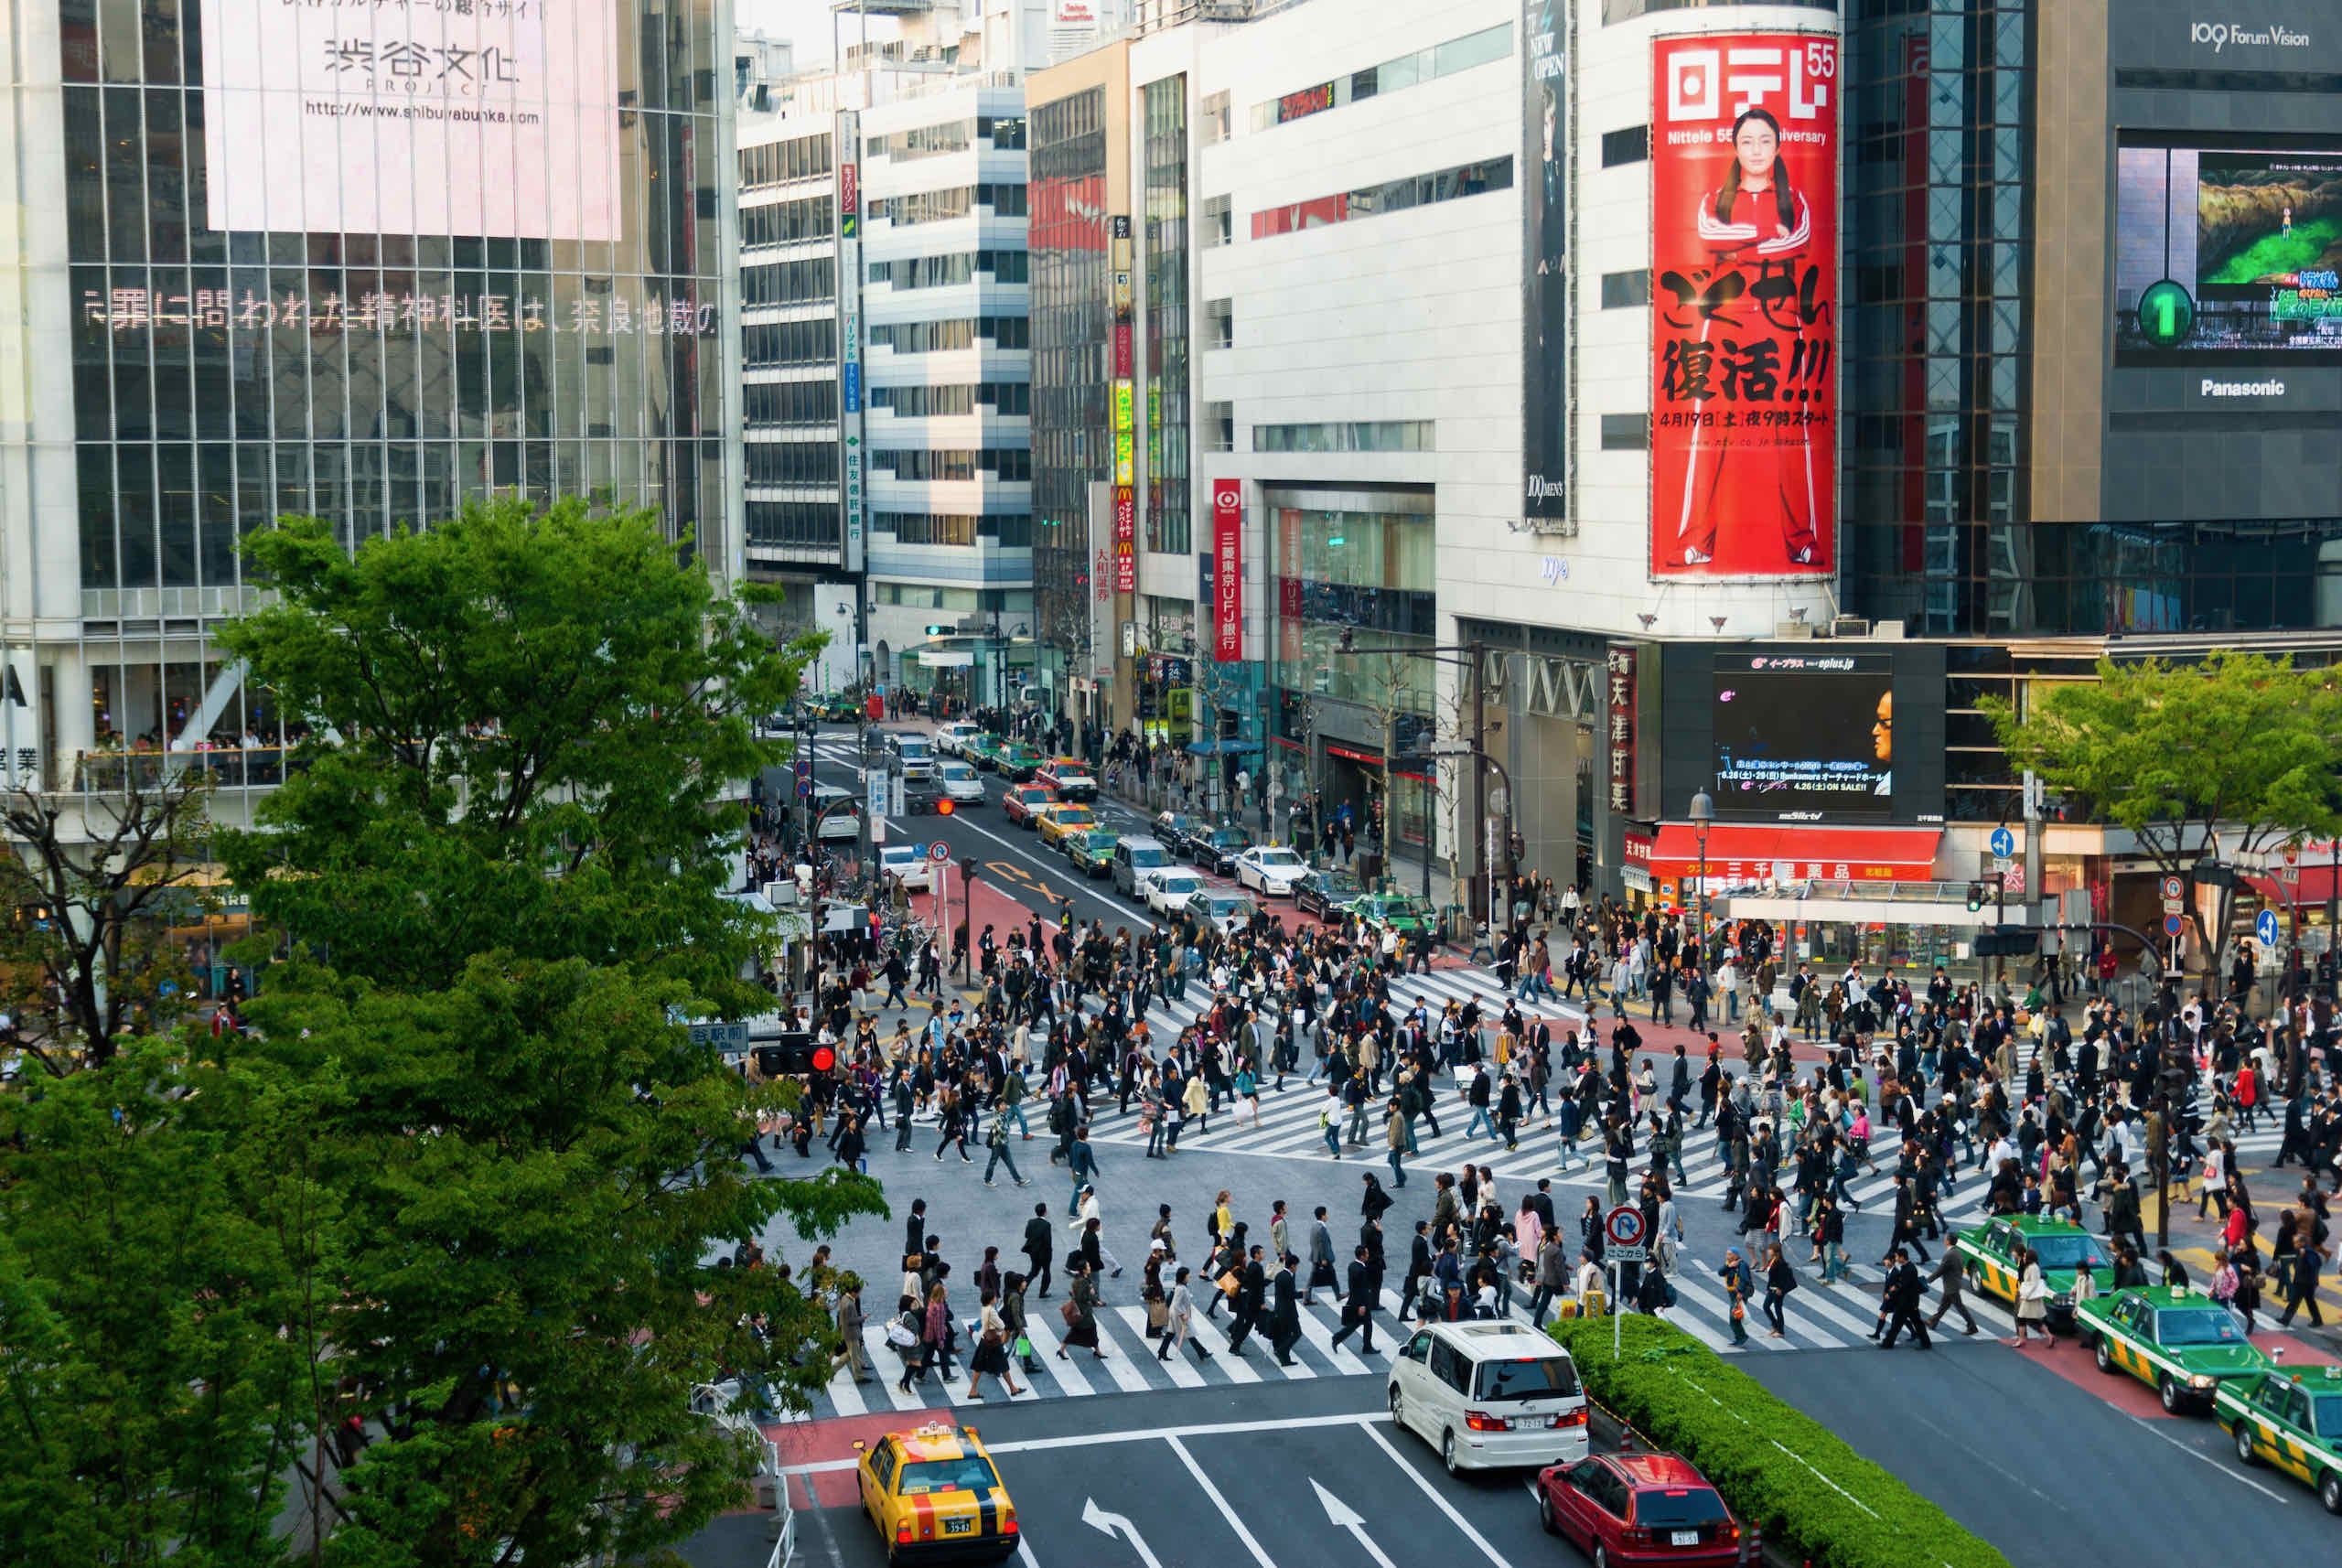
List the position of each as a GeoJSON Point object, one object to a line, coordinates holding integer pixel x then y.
{"type": "Point", "coordinates": [959, 1527]}
{"type": "Point", "coordinates": [1684, 1538]}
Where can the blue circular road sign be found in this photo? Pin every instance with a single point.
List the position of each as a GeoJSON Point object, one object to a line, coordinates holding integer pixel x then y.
{"type": "Point", "coordinates": [2003, 841]}
{"type": "Point", "coordinates": [2265, 928]}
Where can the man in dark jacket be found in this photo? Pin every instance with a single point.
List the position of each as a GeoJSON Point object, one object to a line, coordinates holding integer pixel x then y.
{"type": "Point", "coordinates": [1040, 1246]}
{"type": "Point", "coordinates": [1901, 1299]}
{"type": "Point", "coordinates": [1252, 1293]}
{"type": "Point", "coordinates": [915, 1228]}
{"type": "Point", "coordinates": [1419, 1264]}
{"type": "Point", "coordinates": [1358, 1306]}
{"type": "Point", "coordinates": [1284, 1313]}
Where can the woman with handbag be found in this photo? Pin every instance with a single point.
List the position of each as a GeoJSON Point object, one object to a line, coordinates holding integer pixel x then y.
{"type": "Point", "coordinates": [1081, 1311]}
{"type": "Point", "coordinates": [2031, 1303]}
{"type": "Point", "coordinates": [903, 1338]}
{"type": "Point", "coordinates": [1012, 1318]}
{"type": "Point", "coordinates": [992, 1351]}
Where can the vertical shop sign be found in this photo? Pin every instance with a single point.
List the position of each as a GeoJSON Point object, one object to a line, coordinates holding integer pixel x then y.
{"type": "Point", "coordinates": [1621, 700]}
{"type": "Point", "coordinates": [1228, 571]}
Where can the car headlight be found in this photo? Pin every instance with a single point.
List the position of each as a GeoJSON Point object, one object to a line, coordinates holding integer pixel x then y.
{"type": "Point", "coordinates": [2201, 1381]}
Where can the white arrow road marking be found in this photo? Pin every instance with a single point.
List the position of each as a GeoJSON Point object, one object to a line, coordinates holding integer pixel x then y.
{"type": "Point", "coordinates": [1344, 1517]}
{"type": "Point", "coordinates": [1099, 1520]}
{"type": "Point", "coordinates": [1219, 1503]}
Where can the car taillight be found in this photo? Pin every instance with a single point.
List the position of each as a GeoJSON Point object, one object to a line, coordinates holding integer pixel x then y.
{"type": "Point", "coordinates": [1570, 1417]}
{"type": "Point", "coordinates": [1008, 1525]}
{"type": "Point", "coordinates": [902, 1533]}
{"type": "Point", "coordinates": [1481, 1420]}
{"type": "Point", "coordinates": [1635, 1535]}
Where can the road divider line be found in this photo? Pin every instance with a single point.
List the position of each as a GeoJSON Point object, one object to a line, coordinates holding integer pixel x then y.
{"type": "Point", "coordinates": [1463, 1525]}
{"type": "Point", "coordinates": [1235, 1521]}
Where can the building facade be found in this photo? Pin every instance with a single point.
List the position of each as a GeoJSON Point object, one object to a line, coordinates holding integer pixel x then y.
{"type": "Point", "coordinates": [248, 271]}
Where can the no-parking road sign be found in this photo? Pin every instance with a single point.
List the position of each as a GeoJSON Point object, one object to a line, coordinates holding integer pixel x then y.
{"type": "Point", "coordinates": [1624, 1228]}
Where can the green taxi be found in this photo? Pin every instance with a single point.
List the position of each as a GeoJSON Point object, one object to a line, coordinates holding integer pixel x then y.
{"type": "Point", "coordinates": [983, 750]}
{"type": "Point", "coordinates": [1396, 911]}
{"type": "Point", "coordinates": [2064, 1249]}
{"type": "Point", "coordinates": [2178, 1343]}
{"type": "Point", "coordinates": [1093, 853]}
{"type": "Point", "coordinates": [2293, 1422]}
{"type": "Point", "coordinates": [1019, 763]}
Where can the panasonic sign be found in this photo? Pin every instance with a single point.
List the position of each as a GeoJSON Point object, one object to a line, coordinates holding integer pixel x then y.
{"type": "Point", "coordinates": [2220, 35]}
{"type": "Point", "coordinates": [2210, 388]}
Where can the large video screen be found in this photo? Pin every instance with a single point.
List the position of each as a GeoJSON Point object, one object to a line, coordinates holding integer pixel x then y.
{"type": "Point", "coordinates": [2227, 251]}
{"type": "Point", "coordinates": [497, 118]}
{"type": "Point", "coordinates": [1799, 737]}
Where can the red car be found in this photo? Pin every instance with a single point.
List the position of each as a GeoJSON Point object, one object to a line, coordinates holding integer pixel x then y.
{"type": "Point", "coordinates": [1018, 803]}
{"type": "Point", "coordinates": [1631, 1509]}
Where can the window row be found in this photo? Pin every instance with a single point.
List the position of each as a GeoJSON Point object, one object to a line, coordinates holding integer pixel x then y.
{"type": "Point", "coordinates": [1003, 463]}
{"type": "Point", "coordinates": [795, 522]}
{"type": "Point", "coordinates": [930, 337]}
{"type": "Point", "coordinates": [775, 162]}
{"type": "Point", "coordinates": [1394, 195]}
{"type": "Point", "coordinates": [957, 202]}
{"type": "Point", "coordinates": [940, 271]}
{"type": "Point", "coordinates": [922, 401]}
{"type": "Point", "coordinates": [812, 342]}
{"type": "Point", "coordinates": [789, 403]}
{"type": "Point", "coordinates": [786, 222]}
{"type": "Point", "coordinates": [1006, 133]}
{"type": "Point", "coordinates": [790, 462]}
{"type": "Point", "coordinates": [1407, 70]}
{"type": "Point", "coordinates": [790, 282]}
{"type": "Point", "coordinates": [1014, 531]}
{"type": "Point", "coordinates": [1374, 435]}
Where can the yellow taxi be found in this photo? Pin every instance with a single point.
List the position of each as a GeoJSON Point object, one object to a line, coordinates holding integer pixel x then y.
{"type": "Point", "coordinates": [935, 1496]}
{"type": "Point", "coordinates": [1060, 822]}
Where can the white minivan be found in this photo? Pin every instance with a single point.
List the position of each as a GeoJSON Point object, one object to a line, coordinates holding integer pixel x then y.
{"type": "Point", "coordinates": [1488, 1395]}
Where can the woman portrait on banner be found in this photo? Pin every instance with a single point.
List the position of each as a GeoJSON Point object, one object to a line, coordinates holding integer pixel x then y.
{"type": "Point", "coordinates": [1742, 479]}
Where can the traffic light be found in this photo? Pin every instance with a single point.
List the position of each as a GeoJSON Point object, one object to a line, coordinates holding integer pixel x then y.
{"type": "Point", "coordinates": [945, 807]}
{"type": "Point", "coordinates": [1975, 897]}
{"type": "Point", "coordinates": [2008, 941]}
{"type": "Point", "coordinates": [796, 1054]}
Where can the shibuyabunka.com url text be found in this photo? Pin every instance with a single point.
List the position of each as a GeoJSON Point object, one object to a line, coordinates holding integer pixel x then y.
{"type": "Point", "coordinates": [336, 110]}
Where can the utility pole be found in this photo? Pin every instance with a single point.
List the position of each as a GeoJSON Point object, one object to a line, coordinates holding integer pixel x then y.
{"type": "Point", "coordinates": [1476, 655]}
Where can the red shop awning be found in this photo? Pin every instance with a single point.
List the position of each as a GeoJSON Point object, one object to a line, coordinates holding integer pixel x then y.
{"type": "Point", "coordinates": [2312, 887]}
{"type": "Point", "coordinates": [1748, 852]}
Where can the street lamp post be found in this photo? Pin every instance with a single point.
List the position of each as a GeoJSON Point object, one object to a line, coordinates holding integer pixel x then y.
{"type": "Point", "coordinates": [1473, 656]}
{"type": "Point", "coordinates": [1704, 811]}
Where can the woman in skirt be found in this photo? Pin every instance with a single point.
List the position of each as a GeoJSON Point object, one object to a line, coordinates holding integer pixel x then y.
{"type": "Point", "coordinates": [1082, 1310]}
{"type": "Point", "coordinates": [992, 1350]}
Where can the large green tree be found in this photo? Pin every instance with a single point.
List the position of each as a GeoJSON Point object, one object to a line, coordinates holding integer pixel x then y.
{"type": "Point", "coordinates": [2237, 754]}
{"type": "Point", "coordinates": [467, 1178]}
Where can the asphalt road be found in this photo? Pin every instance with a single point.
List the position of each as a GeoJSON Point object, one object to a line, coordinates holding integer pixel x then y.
{"type": "Point", "coordinates": [2044, 1465]}
{"type": "Point", "coordinates": [1307, 1477]}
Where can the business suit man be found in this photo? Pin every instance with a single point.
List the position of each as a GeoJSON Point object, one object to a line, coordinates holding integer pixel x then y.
{"type": "Point", "coordinates": [1285, 1315]}
{"type": "Point", "coordinates": [1419, 1267]}
{"type": "Point", "coordinates": [1040, 1247]}
{"type": "Point", "coordinates": [1252, 1290]}
{"type": "Point", "coordinates": [1951, 1272]}
{"type": "Point", "coordinates": [1321, 1256]}
{"type": "Point", "coordinates": [1902, 1299]}
{"type": "Point", "coordinates": [1357, 1307]}
{"type": "Point", "coordinates": [915, 1228]}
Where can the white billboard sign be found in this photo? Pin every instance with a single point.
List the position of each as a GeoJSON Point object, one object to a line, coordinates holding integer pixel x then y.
{"type": "Point", "coordinates": [490, 117]}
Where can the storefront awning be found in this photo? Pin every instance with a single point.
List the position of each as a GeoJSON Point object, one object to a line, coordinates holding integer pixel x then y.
{"type": "Point", "coordinates": [2312, 887]}
{"type": "Point", "coordinates": [945, 657]}
{"type": "Point", "coordinates": [1739, 854]}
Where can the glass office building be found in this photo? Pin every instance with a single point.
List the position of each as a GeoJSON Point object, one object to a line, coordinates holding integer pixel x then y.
{"type": "Point", "coordinates": [263, 267]}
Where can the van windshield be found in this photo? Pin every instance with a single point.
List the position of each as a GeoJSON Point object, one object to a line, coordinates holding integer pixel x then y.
{"type": "Point", "coordinates": [911, 747]}
{"type": "Point", "coordinates": [1144, 855]}
{"type": "Point", "coordinates": [1531, 1377]}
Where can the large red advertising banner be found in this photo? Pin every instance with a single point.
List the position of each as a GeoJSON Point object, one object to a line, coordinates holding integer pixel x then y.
{"type": "Point", "coordinates": [1744, 447]}
{"type": "Point", "coordinates": [1228, 571]}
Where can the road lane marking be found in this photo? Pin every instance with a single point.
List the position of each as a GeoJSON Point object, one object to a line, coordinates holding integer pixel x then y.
{"type": "Point", "coordinates": [1463, 1525]}
{"type": "Point", "coordinates": [1235, 1521]}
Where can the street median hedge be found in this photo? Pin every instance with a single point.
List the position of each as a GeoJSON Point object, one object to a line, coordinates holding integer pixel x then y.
{"type": "Point", "coordinates": [1777, 1467]}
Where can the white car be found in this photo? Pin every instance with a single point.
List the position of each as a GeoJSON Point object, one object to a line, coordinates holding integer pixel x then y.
{"type": "Point", "coordinates": [1221, 910]}
{"type": "Point", "coordinates": [1168, 890]}
{"type": "Point", "coordinates": [960, 783]}
{"type": "Point", "coordinates": [955, 734]}
{"type": "Point", "coordinates": [1486, 1395]}
{"type": "Point", "coordinates": [904, 861]}
{"type": "Point", "coordinates": [1269, 869]}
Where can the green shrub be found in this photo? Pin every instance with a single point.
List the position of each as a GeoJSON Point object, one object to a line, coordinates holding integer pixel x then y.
{"type": "Point", "coordinates": [1779, 1468]}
